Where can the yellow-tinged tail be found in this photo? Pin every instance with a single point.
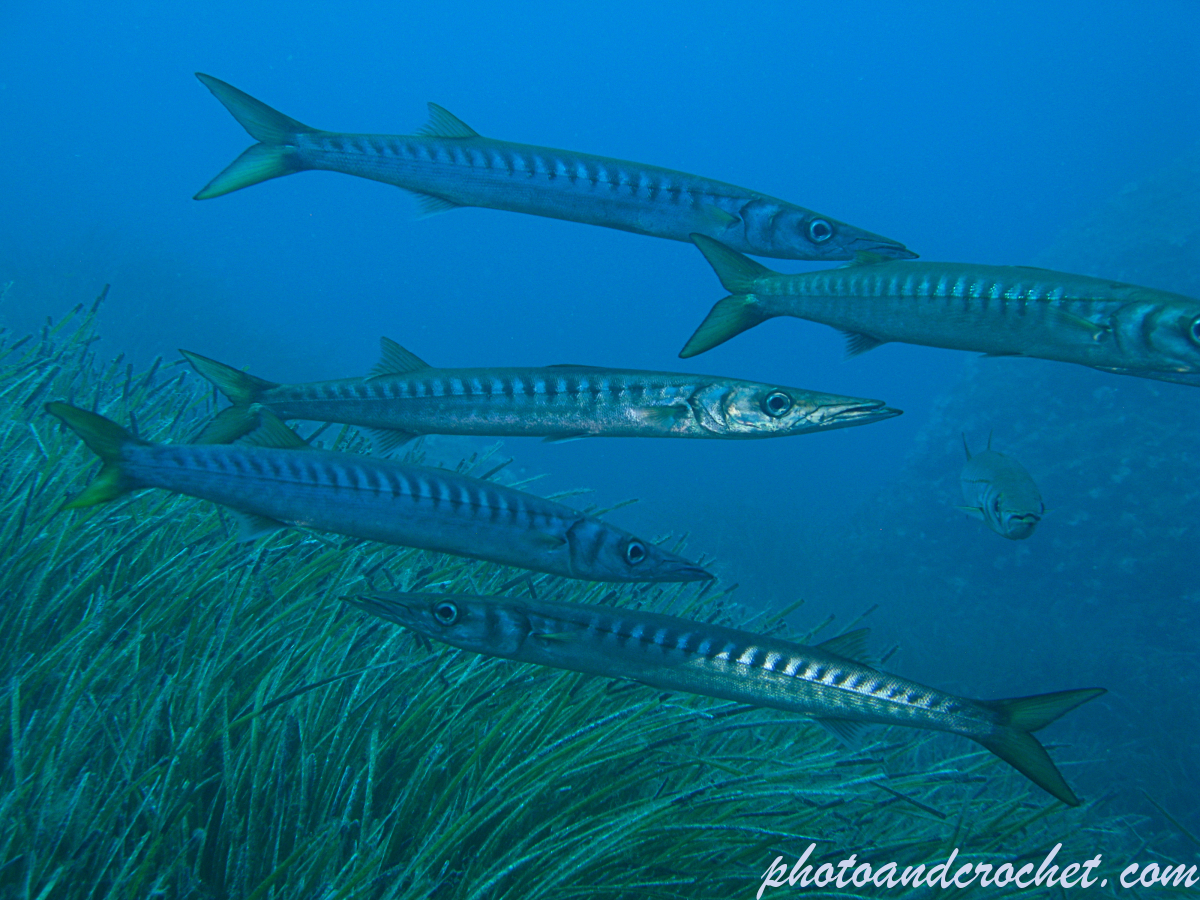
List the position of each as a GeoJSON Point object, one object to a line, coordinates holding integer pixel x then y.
{"type": "Point", "coordinates": [272, 157]}
{"type": "Point", "coordinates": [1014, 742]}
{"type": "Point", "coordinates": [243, 391]}
{"type": "Point", "coordinates": [104, 438]}
{"type": "Point", "coordinates": [728, 318]}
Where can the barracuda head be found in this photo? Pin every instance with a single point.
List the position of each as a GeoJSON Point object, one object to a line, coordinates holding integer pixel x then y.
{"type": "Point", "coordinates": [790, 232]}
{"type": "Point", "coordinates": [1170, 332]}
{"type": "Point", "coordinates": [484, 625]}
{"type": "Point", "coordinates": [753, 410]}
{"type": "Point", "coordinates": [600, 552]}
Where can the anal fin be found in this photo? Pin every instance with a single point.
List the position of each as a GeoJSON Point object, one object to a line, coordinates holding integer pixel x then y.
{"type": "Point", "coordinates": [252, 526]}
{"type": "Point", "coordinates": [432, 205]}
{"type": "Point", "coordinates": [565, 437]}
{"type": "Point", "coordinates": [845, 730]}
{"type": "Point", "coordinates": [387, 440]}
{"type": "Point", "coordinates": [857, 342]}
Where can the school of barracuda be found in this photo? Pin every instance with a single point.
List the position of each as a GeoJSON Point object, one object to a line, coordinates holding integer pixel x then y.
{"type": "Point", "coordinates": [248, 460]}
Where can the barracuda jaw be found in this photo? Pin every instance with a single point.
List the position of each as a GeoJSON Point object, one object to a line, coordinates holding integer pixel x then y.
{"type": "Point", "coordinates": [829, 417]}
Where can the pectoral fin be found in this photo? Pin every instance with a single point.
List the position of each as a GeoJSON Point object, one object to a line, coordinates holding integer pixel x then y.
{"type": "Point", "coordinates": [975, 512]}
{"type": "Point", "coordinates": [662, 416]}
{"type": "Point", "coordinates": [1077, 324]}
{"type": "Point", "coordinates": [561, 637]}
{"type": "Point", "coordinates": [719, 217]}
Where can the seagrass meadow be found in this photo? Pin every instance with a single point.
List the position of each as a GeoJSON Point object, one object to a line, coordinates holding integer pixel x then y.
{"type": "Point", "coordinates": [188, 716]}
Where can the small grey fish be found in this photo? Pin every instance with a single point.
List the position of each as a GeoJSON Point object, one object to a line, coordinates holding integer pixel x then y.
{"type": "Point", "coordinates": [448, 164]}
{"type": "Point", "coordinates": [996, 310]}
{"type": "Point", "coordinates": [669, 653]}
{"type": "Point", "coordinates": [998, 490]}
{"type": "Point", "coordinates": [405, 397]}
{"type": "Point", "coordinates": [276, 479]}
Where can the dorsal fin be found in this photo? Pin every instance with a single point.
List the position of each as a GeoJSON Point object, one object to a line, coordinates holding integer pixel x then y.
{"type": "Point", "coordinates": [395, 360]}
{"type": "Point", "coordinates": [271, 432]}
{"type": "Point", "coordinates": [443, 123]}
{"type": "Point", "coordinates": [852, 645]}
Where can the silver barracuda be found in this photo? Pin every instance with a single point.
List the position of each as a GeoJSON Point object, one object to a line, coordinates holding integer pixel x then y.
{"type": "Point", "coordinates": [676, 654]}
{"type": "Point", "coordinates": [278, 480]}
{"type": "Point", "coordinates": [996, 310]}
{"type": "Point", "coordinates": [448, 164]}
{"type": "Point", "coordinates": [406, 397]}
{"type": "Point", "coordinates": [998, 491]}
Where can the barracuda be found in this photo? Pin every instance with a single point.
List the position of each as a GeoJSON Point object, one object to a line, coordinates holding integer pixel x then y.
{"type": "Point", "coordinates": [996, 310]}
{"type": "Point", "coordinates": [1000, 493]}
{"type": "Point", "coordinates": [406, 397]}
{"type": "Point", "coordinates": [676, 654]}
{"type": "Point", "coordinates": [448, 164]}
{"type": "Point", "coordinates": [281, 481]}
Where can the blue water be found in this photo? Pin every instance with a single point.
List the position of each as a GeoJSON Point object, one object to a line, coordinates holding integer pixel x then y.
{"type": "Point", "coordinates": [971, 132]}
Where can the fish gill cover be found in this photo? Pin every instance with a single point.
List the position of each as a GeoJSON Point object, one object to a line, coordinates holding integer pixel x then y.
{"type": "Point", "coordinates": [193, 716]}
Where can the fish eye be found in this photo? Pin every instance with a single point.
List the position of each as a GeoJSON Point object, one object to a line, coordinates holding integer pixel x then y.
{"type": "Point", "coordinates": [635, 552]}
{"type": "Point", "coordinates": [776, 404]}
{"type": "Point", "coordinates": [446, 613]}
{"type": "Point", "coordinates": [820, 230]}
{"type": "Point", "coordinates": [996, 506]}
{"type": "Point", "coordinates": [1194, 332]}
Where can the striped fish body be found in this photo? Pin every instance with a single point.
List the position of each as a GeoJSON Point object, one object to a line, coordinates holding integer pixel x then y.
{"type": "Point", "coordinates": [513, 402]}
{"type": "Point", "coordinates": [449, 164]}
{"type": "Point", "coordinates": [676, 654]}
{"type": "Point", "coordinates": [997, 310]}
{"type": "Point", "coordinates": [553, 402]}
{"type": "Point", "coordinates": [377, 499]}
{"type": "Point", "coordinates": [1000, 310]}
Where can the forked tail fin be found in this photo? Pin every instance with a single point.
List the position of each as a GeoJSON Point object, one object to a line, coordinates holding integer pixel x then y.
{"type": "Point", "coordinates": [243, 391]}
{"type": "Point", "coordinates": [104, 438]}
{"type": "Point", "coordinates": [1014, 742]}
{"type": "Point", "coordinates": [737, 272]}
{"type": "Point", "coordinates": [728, 318]}
{"type": "Point", "coordinates": [272, 157]}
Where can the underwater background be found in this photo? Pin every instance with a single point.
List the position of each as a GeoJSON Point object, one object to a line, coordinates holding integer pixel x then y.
{"type": "Point", "coordinates": [154, 742]}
